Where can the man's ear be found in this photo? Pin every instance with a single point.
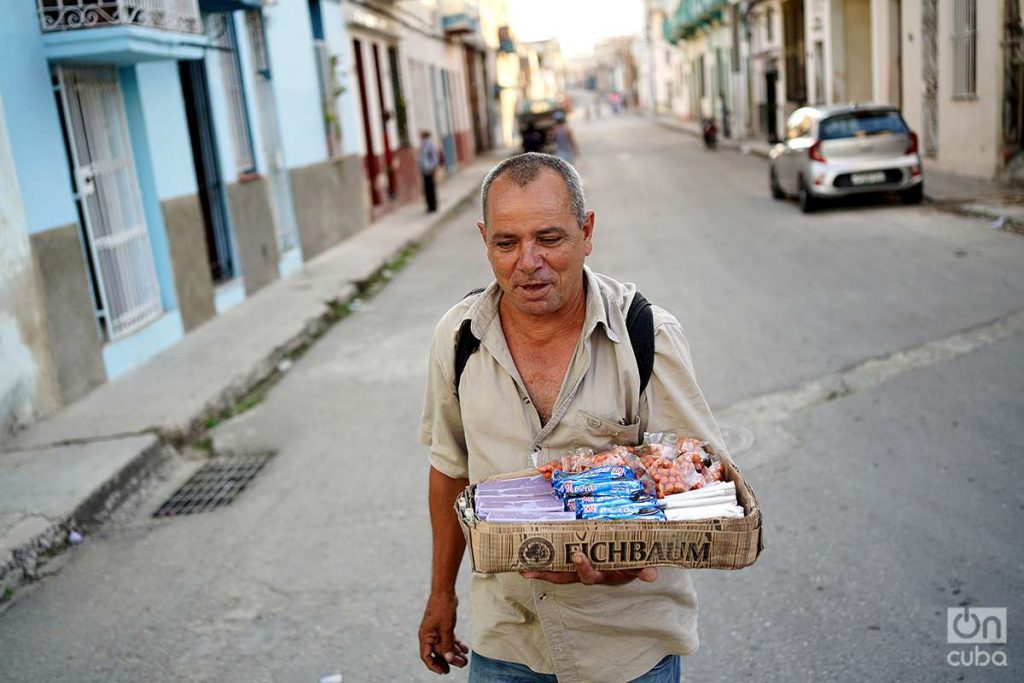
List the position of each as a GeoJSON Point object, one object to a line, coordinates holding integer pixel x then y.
{"type": "Point", "coordinates": [483, 231]}
{"type": "Point", "coordinates": [588, 232]}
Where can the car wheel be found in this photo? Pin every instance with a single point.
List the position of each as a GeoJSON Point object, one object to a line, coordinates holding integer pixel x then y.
{"type": "Point", "coordinates": [914, 195]}
{"type": "Point", "coordinates": [773, 183]}
{"type": "Point", "coordinates": [808, 202]}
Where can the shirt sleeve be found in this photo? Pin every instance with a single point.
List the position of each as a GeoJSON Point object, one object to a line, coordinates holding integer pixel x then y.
{"type": "Point", "coordinates": [441, 425]}
{"type": "Point", "coordinates": [674, 402]}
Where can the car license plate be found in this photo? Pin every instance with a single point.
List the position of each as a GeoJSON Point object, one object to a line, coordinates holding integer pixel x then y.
{"type": "Point", "coordinates": [868, 178]}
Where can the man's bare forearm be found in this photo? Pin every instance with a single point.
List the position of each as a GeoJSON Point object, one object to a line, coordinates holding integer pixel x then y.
{"type": "Point", "coordinates": [449, 543]}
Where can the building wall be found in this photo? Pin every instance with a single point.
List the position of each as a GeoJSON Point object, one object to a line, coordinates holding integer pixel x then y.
{"type": "Point", "coordinates": [338, 41]}
{"type": "Point", "coordinates": [174, 183]}
{"type": "Point", "coordinates": [33, 121]}
{"type": "Point", "coordinates": [290, 43]}
{"type": "Point", "coordinates": [968, 130]}
{"type": "Point", "coordinates": [28, 382]}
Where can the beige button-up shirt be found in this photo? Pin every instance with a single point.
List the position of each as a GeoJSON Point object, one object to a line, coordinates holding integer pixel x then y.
{"type": "Point", "coordinates": [606, 634]}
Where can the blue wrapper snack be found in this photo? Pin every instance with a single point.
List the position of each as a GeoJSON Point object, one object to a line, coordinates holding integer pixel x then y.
{"type": "Point", "coordinates": [607, 472]}
{"type": "Point", "coordinates": [620, 487]}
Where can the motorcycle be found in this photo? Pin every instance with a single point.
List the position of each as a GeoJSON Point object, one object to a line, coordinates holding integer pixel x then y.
{"type": "Point", "coordinates": [710, 131]}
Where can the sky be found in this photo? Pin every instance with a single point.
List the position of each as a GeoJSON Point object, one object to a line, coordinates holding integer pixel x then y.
{"type": "Point", "coordinates": [577, 24]}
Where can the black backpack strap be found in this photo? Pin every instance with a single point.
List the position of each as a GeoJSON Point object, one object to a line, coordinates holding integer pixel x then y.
{"type": "Point", "coordinates": [466, 345]}
{"type": "Point", "coordinates": [640, 325]}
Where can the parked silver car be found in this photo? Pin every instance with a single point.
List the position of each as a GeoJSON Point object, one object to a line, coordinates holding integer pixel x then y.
{"type": "Point", "coordinates": [838, 151]}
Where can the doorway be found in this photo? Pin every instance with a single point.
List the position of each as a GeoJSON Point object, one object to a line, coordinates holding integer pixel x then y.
{"type": "Point", "coordinates": [118, 251]}
{"type": "Point", "coordinates": [771, 106]}
{"type": "Point", "coordinates": [212, 192]}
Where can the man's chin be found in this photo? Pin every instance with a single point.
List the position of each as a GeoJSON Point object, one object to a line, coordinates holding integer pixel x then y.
{"type": "Point", "coordinates": [534, 306]}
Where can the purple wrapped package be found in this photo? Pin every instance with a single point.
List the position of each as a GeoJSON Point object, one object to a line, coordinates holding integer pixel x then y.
{"type": "Point", "coordinates": [525, 516]}
{"type": "Point", "coordinates": [520, 484]}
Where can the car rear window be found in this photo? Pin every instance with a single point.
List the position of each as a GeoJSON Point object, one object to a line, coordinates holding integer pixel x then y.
{"type": "Point", "coordinates": [860, 123]}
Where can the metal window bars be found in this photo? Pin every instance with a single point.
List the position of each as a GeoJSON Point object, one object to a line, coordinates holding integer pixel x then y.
{"type": "Point", "coordinates": [965, 49]}
{"type": "Point", "coordinates": [221, 30]}
{"type": "Point", "coordinates": [107, 190]}
{"type": "Point", "coordinates": [169, 15]}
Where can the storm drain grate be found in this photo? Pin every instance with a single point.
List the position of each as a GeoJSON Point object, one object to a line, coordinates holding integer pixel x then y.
{"type": "Point", "coordinates": [216, 483]}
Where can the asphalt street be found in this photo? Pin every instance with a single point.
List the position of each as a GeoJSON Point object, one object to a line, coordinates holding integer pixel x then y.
{"type": "Point", "coordinates": [867, 366]}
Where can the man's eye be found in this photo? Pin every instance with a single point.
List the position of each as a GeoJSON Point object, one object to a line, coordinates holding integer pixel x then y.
{"type": "Point", "coordinates": [550, 241]}
{"type": "Point", "coordinates": [504, 245]}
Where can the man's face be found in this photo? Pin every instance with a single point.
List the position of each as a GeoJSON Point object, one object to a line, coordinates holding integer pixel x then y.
{"type": "Point", "coordinates": [535, 246]}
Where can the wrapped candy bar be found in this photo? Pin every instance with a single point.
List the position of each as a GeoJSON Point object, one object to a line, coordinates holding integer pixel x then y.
{"type": "Point", "coordinates": [621, 487]}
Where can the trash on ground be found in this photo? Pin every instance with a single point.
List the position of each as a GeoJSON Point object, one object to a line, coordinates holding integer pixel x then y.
{"type": "Point", "coordinates": [333, 678]}
{"type": "Point", "coordinates": [74, 538]}
{"type": "Point", "coordinates": [285, 365]}
{"type": "Point", "coordinates": [998, 223]}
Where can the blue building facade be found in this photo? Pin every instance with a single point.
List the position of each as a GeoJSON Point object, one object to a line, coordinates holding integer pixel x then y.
{"type": "Point", "coordinates": [173, 157]}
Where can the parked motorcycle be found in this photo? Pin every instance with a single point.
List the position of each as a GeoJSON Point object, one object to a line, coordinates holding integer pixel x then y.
{"type": "Point", "coordinates": [710, 131]}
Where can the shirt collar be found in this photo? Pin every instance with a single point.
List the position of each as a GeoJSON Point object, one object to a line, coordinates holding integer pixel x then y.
{"type": "Point", "coordinates": [484, 310]}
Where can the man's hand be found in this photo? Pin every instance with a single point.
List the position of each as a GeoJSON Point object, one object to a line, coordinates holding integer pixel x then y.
{"type": "Point", "coordinates": [586, 574]}
{"type": "Point", "coordinates": [439, 648]}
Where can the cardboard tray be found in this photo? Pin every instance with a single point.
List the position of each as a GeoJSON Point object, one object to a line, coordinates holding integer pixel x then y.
{"type": "Point", "coordinates": [496, 547]}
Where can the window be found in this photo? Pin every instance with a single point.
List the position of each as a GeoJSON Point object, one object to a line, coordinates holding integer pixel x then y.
{"type": "Point", "coordinates": [793, 46]}
{"type": "Point", "coordinates": [221, 30]}
{"type": "Point", "coordinates": [769, 24]}
{"type": "Point", "coordinates": [861, 124]}
{"type": "Point", "coordinates": [965, 47]}
{"type": "Point", "coordinates": [327, 80]}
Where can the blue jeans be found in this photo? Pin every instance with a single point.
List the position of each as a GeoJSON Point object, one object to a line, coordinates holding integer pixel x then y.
{"type": "Point", "coordinates": [486, 670]}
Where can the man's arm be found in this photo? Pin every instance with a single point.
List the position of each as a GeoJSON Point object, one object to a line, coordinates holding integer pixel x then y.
{"type": "Point", "coordinates": [439, 647]}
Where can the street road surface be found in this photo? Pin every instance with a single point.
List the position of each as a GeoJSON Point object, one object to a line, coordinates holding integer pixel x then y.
{"type": "Point", "coordinates": [866, 365]}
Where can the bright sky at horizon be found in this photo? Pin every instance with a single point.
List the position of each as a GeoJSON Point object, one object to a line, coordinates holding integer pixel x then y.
{"type": "Point", "coordinates": [577, 24]}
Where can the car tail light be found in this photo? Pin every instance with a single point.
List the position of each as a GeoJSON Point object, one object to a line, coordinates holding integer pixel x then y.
{"type": "Point", "coordinates": [814, 153]}
{"type": "Point", "coordinates": [912, 144]}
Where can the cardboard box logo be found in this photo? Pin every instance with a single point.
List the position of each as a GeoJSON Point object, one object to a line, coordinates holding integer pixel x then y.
{"type": "Point", "coordinates": [976, 625]}
{"type": "Point", "coordinates": [536, 553]}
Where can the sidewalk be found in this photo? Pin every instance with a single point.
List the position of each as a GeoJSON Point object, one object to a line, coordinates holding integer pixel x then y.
{"type": "Point", "coordinates": [71, 469]}
{"type": "Point", "coordinates": [963, 194]}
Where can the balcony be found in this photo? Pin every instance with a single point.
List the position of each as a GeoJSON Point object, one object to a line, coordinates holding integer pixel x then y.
{"type": "Point", "coordinates": [459, 17]}
{"type": "Point", "coordinates": [690, 16]}
{"type": "Point", "coordinates": [121, 31]}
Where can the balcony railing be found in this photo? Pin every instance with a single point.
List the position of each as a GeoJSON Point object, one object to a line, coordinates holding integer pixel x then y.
{"type": "Point", "coordinates": [169, 15]}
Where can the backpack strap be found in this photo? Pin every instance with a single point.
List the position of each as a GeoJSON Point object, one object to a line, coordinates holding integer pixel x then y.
{"type": "Point", "coordinates": [466, 344]}
{"type": "Point", "coordinates": [640, 325]}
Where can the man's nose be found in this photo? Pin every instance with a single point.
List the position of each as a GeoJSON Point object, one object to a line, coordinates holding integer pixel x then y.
{"type": "Point", "coordinates": [530, 258]}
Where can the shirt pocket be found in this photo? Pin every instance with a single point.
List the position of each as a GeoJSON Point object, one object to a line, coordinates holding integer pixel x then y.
{"type": "Point", "coordinates": [600, 433]}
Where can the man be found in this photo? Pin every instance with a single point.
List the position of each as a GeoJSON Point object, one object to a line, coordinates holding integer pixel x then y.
{"type": "Point", "coordinates": [554, 371]}
{"type": "Point", "coordinates": [429, 161]}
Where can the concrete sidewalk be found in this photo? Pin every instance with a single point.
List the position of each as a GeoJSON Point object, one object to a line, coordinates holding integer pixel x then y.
{"type": "Point", "coordinates": [1003, 204]}
{"type": "Point", "coordinates": [71, 469]}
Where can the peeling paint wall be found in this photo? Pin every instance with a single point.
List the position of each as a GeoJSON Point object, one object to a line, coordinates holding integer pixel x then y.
{"type": "Point", "coordinates": [28, 388]}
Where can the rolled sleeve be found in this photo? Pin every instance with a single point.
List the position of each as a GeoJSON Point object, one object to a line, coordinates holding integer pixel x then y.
{"type": "Point", "coordinates": [441, 424]}
{"type": "Point", "coordinates": [674, 401]}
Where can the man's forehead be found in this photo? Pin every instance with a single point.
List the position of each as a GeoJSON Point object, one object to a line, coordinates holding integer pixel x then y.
{"type": "Point", "coordinates": [544, 192]}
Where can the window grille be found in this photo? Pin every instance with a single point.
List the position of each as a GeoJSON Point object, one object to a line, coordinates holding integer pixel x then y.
{"type": "Point", "coordinates": [221, 30]}
{"type": "Point", "coordinates": [965, 49]}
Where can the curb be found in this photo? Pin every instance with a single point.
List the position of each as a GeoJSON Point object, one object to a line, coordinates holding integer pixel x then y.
{"type": "Point", "coordinates": [48, 538]}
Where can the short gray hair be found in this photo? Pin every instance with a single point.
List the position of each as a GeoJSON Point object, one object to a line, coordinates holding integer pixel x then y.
{"type": "Point", "coordinates": [524, 168]}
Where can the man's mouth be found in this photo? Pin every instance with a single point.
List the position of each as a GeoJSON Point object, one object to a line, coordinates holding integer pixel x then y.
{"type": "Point", "coordinates": [534, 287]}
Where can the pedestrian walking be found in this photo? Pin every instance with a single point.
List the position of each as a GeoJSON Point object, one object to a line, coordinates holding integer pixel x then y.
{"type": "Point", "coordinates": [565, 142]}
{"type": "Point", "coordinates": [429, 161]}
{"type": "Point", "coordinates": [554, 370]}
